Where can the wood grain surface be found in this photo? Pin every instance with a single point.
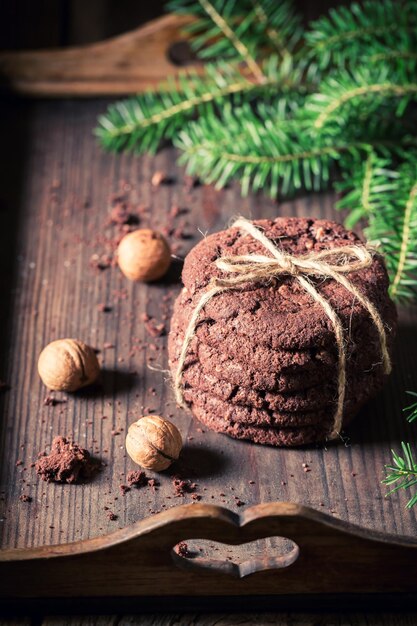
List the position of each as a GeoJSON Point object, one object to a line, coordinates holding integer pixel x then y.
{"type": "Point", "coordinates": [56, 194]}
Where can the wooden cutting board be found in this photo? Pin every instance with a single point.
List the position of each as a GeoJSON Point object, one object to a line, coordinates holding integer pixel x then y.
{"type": "Point", "coordinates": [57, 190]}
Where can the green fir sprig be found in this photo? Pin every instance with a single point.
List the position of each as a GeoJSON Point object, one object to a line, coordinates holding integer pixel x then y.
{"type": "Point", "coordinates": [142, 122]}
{"type": "Point", "coordinates": [243, 30]}
{"type": "Point", "coordinates": [402, 473]}
{"type": "Point", "coordinates": [286, 110]}
{"type": "Point", "coordinates": [364, 33]}
{"type": "Point", "coordinates": [411, 410]}
{"type": "Point", "coordinates": [394, 226]}
{"type": "Point", "coordinates": [275, 153]}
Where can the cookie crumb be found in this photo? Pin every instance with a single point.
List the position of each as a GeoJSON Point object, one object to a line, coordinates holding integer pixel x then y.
{"type": "Point", "coordinates": [136, 478]}
{"type": "Point", "coordinates": [66, 463]}
{"type": "Point", "coordinates": [182, 549]}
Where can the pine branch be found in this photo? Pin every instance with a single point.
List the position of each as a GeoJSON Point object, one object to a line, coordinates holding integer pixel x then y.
{"type": "Point", "coordinates": [403, 472]}
{"type": "Point", "coordinates": [393, 56]}
{"type": "Point", "coordinates": [141, 122]}
{"type": "Point", "coordinates": [280, 24]}
{"type": "Point", "coordinates": [411, 410]}
{"type": "Point", "coordinates": [346, 95]}
{"type": "Point", "coordinates": [233, 37]}
{"type": "Point", "coordinates": [364, 184]}
{"type": "Point", "coordinates": [244, 30]}
{"type": "Point", "coordinates": [406, 263]}
{"type": "Point", "coordinates": [349, 35]}
{"type": "Point", "coordinates": [360, 116]}
{"type": "Point", "coordinates": [393, 224]}
{"type": "Point", "coordinates": [276, 153]}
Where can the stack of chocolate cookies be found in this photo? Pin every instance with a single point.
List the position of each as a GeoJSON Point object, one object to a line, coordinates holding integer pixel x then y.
{"type": "Point", "coordinates": [263, 363]}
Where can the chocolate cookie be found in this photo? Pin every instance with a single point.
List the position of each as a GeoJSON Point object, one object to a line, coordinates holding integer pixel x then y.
{"type": "Point", "coordinates": [274, 435]}
{"type": "Point", "coordinates": [357, 393]}
{"type": "Point", "coordinates": [279, 313]}
{"type": "Point", "coordinates": [258, 353]}
{"type": "Point", "coordinates": [255, 372]}
{"type": "Point", "coordinates": [317, 398]}
{"type": "Point", "coordinates": [240, 361]}
{"type": "Point", "coordinates": [283, 437]}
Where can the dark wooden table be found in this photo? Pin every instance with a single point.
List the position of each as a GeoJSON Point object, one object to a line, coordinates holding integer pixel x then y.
{"type": "Point", "coordinates": [56, 190]}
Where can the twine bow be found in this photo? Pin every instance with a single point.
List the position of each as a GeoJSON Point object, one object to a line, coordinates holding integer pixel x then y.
{"type": "Point", "coordinates": [251, 268]}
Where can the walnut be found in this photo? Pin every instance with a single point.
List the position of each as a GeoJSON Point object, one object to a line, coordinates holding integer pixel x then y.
{"type": "Point", "coordinates": [144, 255]}
{"type": "Point", "coordinates": [153, 442]}
{"type": "Point", "coordinates": [68, 365]}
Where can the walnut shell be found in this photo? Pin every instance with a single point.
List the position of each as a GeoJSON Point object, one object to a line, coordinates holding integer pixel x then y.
{"type": "Point", "coordinates": [153, 442]}
{"type": "Point", "coordinates": [68, 365]}
{"type": "Point", "coordinates": [144, 255]}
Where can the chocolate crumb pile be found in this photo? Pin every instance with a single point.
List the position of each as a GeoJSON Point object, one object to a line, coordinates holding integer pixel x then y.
{"type": "Point", "coordinates": [66, 463]}
{"type": "Point", "coordinates": [137, 478]}
{"type": "Point", "coordinates": [181, 486]}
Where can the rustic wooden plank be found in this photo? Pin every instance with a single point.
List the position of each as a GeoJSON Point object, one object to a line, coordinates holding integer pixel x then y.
{"type": "Point", "coordinates": [59, 209]}
{"type": "Point", "coordinates": [128, 63]}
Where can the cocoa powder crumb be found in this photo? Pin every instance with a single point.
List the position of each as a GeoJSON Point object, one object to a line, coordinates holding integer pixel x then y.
{"type": "Point", "coordinates": [137, 478]}
{"type": "Point", "coordinates": [182, 549]}
{"type": "Point", "coordinates": [120, 215]}
{"type": "Point", "coordinates": [104, 308]}
{"type": "Point", "coordinates": [52, 401]}
{"type": "Point", "coordinates": [112, 516]}
{"type": "Point", "coordinates": [181, 487]}
{"type": "Point", "coordinates": [124, 489]}
{"type": "Point", "coordinates": [155, 329]}
{"type": "Point", "coordinates": [153, 484]}
{"type": "Point", "coordinates": [66, 463]}
{"type": "Point", "coordinates": [25, 498]}
{"type": "Point", "coordinates": [101, 262]}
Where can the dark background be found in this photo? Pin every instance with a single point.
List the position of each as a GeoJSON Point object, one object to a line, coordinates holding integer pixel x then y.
{"type": "Point", "coordinates": [48, 23]}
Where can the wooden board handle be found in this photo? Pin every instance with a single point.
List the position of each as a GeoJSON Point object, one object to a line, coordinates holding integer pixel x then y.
{"type": "Point", "coordinates": [126, 64]}
{"type": "Point", "coordinates": [334, 557]}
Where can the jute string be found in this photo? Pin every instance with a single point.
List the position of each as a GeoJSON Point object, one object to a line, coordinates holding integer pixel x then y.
{"type": "Point", "coordinates": [252, 268]}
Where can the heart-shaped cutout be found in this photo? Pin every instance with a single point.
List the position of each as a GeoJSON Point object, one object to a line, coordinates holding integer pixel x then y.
{"type": "Point", "coordinates": [236, 560]}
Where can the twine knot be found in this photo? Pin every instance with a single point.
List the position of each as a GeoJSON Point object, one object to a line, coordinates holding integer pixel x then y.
{"type": "Point", "coordinates": [288, 265]}
{"type": "Point", "coordinates": [332, 263]}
